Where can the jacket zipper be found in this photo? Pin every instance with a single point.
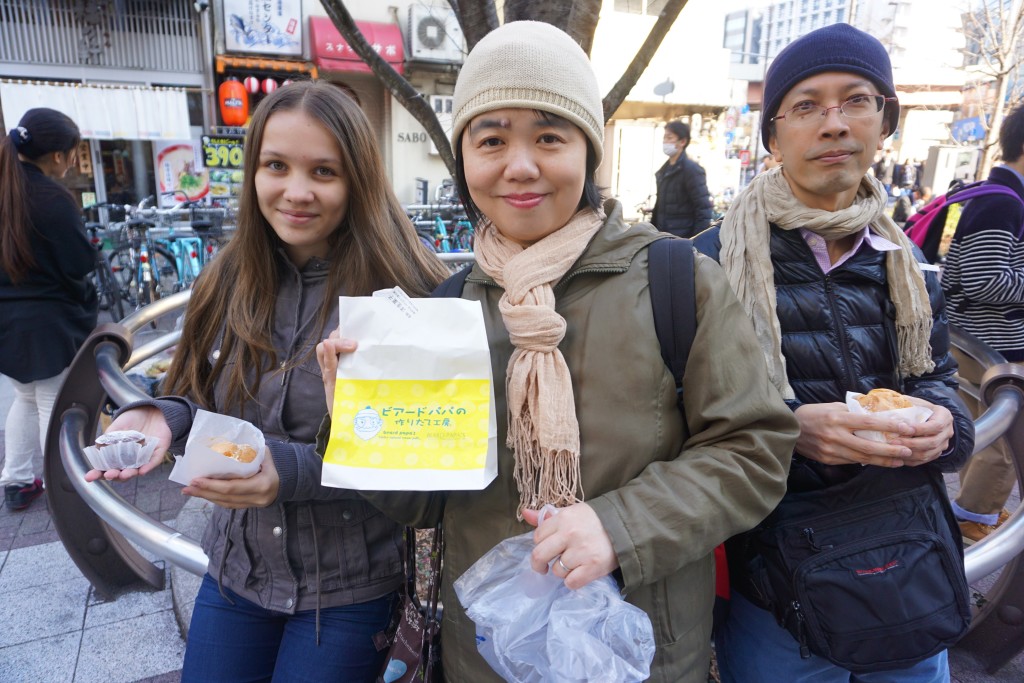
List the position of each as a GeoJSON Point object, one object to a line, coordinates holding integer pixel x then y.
{"type": "Point", "coordinates": [801, 629]}
{"type": "Point", "coordinates": [841, 333]}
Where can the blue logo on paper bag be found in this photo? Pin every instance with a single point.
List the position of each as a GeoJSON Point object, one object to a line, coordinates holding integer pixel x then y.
{"type": "Point", "coordinates": [367, 423]}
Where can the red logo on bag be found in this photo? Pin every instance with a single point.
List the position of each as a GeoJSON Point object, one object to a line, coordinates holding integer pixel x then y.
{"type": "Point", "coordinates": [875, 571]}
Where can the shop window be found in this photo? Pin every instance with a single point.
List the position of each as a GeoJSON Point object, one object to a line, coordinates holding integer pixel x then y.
{"type": "Point", "coordinates": [649, 7]}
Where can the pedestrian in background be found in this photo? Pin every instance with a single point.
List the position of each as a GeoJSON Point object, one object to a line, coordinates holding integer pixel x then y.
{"type": "Point", "coordinates": [983, 279]}
{"type": "Point", "coordinates": [884, 169]}
{"type": "Point", "coordinates": [301, 577]}
{"type": "Point", "coordinates": [683, 207]}
{"type": "Point", "coordinates": [840, 304]}
{"type": "Point", "coordinates": [48, 305]}
{"type": "Point", "coordinates": [563, 284]}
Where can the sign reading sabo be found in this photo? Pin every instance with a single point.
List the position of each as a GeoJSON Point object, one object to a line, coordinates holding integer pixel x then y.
{"type": "Point", "coordinates": [413, 137]}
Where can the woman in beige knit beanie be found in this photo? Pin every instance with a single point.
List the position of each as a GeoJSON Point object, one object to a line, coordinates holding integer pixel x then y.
{"type": "Point", "coordinates": [592, 411]}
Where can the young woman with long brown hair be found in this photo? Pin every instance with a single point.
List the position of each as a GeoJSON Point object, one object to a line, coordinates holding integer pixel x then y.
{"type": "Point", "coordinates": [301, 576]}
{"type": "Point", "coordinates": [47, 303]}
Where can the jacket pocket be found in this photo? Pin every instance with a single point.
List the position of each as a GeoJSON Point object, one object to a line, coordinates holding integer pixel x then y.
{"type": "Point", "coordinates": [905, 576]}
{"type": "Point", "coordinates": [351, 542]}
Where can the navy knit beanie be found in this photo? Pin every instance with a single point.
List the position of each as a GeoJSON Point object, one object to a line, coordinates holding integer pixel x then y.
{"type": "Point", "coordinates": [838, 47]}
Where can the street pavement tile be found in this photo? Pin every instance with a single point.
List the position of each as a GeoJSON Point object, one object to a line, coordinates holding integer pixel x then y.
{"type": "Point", "coordinates": [7, 536]}
{"type": "Point", "coordinates": [967, 669]}
{"type": "Point", "coordinates": [126, 606]}
{"type": "Point", "coordinates": [170, 677]}
{"type": "Point", "coordinates": [38, 565]}
{"type": "Point", "coordinates": [153, 641]}
{"type": "Point", "coordinates": [42, 611]}
{"type": "Point", "coordinates": [48, 660]}
{"type": "Point", "coordinates": [148, 501]}
{"type": "Point", "coordinates": [34, 521]}
{"type": "Point", "coordinates": [29, 540]}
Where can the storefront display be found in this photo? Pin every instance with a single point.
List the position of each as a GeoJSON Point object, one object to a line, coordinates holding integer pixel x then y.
{"type": "Point", "coordinates": [222, 155]}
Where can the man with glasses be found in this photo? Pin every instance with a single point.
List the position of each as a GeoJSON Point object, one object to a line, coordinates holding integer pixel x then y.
{"type": "Point", "coordinates": [840, 303]}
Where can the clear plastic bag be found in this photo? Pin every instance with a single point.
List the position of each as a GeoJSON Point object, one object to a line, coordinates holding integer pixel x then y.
{"type": "Point", "coordinates": [531, 628]}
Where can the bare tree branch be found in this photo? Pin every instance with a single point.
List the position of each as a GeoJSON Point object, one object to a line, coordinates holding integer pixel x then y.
{"type": "Point", "coordinates": [617, 95]}
{"type": "Point", "coordinates": [998, 29]}
{"type": "Point", "coordinates": [402, 90]}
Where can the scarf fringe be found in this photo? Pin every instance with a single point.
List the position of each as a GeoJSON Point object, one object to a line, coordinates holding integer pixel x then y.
{"type": "Point", "coordinates": [913, 361]}
{"type": "Point", "coordinates": [542, 477]}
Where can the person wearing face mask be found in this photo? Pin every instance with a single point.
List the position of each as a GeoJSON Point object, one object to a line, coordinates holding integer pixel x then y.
{"type": "Point", "coordinates": [684, 205]}
{"type": "Point", "coordinates": [47, 303]}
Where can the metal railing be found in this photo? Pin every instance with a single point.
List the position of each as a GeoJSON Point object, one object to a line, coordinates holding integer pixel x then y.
{"type": "Point", "coordinates": [93, 520]}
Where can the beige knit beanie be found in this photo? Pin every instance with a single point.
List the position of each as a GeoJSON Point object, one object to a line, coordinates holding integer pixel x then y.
{"type": "Point", "coordinates": [530, 65]}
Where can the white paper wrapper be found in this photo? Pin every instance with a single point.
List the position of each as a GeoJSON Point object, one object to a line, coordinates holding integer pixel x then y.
{"type": "Point", "coordinates": [200, 460]}
{"type": "Point", "coordinates": [120, 450]}
{"type": "Point", "coordinates": [912, 415]}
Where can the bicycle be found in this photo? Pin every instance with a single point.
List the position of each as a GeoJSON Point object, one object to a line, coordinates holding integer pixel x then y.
{"type": "Point", "coordinates": [192, 253]}
{"type": "Point", "coordinates": [108, 289]}
{"type": "Point", "coordinates": [146, 271]}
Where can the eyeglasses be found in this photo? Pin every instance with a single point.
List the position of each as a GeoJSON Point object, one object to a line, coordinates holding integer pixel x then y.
{"type": "Point", "coordinates": [858, 107]}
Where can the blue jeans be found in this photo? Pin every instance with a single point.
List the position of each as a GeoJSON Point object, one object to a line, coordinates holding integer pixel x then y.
{"type": "Point", "coordinates": [752, 648]}
{"type": "Point", "coordinates": [245, 642]}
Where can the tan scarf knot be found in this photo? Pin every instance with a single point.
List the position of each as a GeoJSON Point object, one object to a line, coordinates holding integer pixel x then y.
{"type": "Point", "coordinates": [543, 431]}
{"type": "Point", "coordinates": [746, 257]}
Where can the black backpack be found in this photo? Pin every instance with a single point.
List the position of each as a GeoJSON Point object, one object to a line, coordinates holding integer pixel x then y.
{"type": "Point", "coordinates": [670, 276]}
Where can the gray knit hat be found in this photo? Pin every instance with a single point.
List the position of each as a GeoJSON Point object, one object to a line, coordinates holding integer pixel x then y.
{"type": "Point", "coordinates": [530, 65]}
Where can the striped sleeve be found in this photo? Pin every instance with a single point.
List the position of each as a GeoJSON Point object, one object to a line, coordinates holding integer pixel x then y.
{"type": "Point", "coordinates": [991, 266]}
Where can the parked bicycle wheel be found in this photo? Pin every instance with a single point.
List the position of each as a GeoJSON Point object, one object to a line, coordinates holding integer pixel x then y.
{"type": "Point", "coordinates": [134, 290]}
{"type": "Point", "coordinates": [108, 289]}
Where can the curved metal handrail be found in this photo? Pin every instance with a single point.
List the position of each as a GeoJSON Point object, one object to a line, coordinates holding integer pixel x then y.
{"type": "Point", "coordinates": [999, 548]}
{"type": "Point", "coordinates": [157, 538]}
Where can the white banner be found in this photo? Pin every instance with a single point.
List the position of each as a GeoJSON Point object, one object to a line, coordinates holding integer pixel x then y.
{"type": "Point", "coordinates": [104, 113]}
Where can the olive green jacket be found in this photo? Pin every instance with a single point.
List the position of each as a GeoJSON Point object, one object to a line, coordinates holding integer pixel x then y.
{"type": "Point", "coordinates": [666, 492]}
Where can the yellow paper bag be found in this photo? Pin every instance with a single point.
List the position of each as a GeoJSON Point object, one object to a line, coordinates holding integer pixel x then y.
{"type": "Point", "coordinates": [414, 405]}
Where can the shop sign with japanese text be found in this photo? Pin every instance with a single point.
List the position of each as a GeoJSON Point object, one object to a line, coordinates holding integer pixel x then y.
{"type": "Point", "coordinates": [264, 26]}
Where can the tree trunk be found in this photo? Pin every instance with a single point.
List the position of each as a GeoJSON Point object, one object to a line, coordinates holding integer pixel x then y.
{"type": "Point", "coordinates": [617, 95]}
{"type": "Point", "coordinates": [402, 90]}
{"type": "Point", "coordinates": [476, 17]}
{"type": "Point", "coordinates": [583, 22]}
{"type": "Point", "coordinates": [577, 18]}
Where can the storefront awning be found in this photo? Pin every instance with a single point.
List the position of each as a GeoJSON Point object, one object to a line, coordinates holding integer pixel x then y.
{"type": "Point", "coordinates": [104, 112]}
{"type": "Point", "coordinates": [333, 53]}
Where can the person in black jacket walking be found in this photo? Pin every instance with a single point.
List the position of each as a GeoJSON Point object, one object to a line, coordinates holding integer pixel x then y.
{"type": "Point", "coordinates": [841, 303]}
{"type": "Point", "coordinates": [47, 302]}
{"type": "Point", "coordinates": [684, 205]}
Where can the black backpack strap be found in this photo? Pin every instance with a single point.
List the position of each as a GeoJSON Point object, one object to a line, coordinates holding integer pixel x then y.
{"type": "Point", "coordinates": [670, 274]}
{"type": "Point", "coordinates": [453, 286]}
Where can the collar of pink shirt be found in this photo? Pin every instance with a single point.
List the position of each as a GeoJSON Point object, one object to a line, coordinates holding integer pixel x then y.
{"type": "Point", "coordinates": [819, 248]}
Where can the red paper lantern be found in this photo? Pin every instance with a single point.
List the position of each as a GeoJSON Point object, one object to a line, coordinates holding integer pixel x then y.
{"type": "Point", "coordinates": [287, 81]}
{"type": "Point", "coordinates": [269, 85]}
{"type": "Point", "coordinates": [234, 102]}
{"type": "Point", "coordinates": [252, 84]}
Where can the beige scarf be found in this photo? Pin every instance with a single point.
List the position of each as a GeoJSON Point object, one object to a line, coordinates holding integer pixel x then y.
{"type": "Point", "coordinates": [746, 258]}
{"type": "Point", "coordinates": [542, 429]}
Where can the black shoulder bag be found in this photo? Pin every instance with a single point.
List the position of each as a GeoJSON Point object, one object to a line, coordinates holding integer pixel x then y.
{"type": "Point", "coordinates": [868, 574]}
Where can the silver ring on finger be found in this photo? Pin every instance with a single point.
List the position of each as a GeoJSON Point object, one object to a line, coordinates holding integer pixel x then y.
{"type": "Point", "coordinates": [562, 565]}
